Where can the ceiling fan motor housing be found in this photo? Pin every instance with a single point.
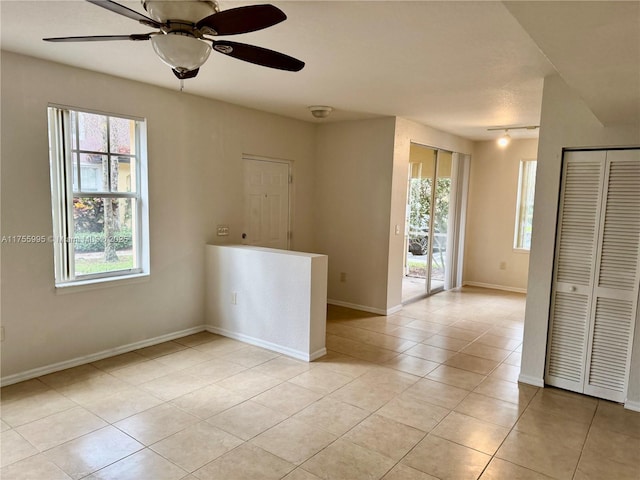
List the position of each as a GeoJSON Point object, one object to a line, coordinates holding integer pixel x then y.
{"type": "Point", "coordinates": [188, 10]}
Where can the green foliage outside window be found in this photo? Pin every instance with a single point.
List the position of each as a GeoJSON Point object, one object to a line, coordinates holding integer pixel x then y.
{"type": "Point", "coordinates": [420, 204]}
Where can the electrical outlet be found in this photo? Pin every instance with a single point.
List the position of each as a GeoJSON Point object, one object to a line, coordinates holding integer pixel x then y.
{"type": "Point", "coordinates": [503, 265]}
{"type": "Point", "coordinates": [223, 230]}
{"type": "Point", "coordinates": [343, 276]}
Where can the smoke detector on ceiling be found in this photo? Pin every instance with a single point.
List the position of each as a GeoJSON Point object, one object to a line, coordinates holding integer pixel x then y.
{"type": "Point", "coordinates": [320, 111]}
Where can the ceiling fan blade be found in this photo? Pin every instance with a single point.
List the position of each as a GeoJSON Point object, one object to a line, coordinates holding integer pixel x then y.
{"type": "Point", "coordinates": [243, 19]}
{"type": "Point", "coordinates": [127, 12]}
{"type": "Point", "coordinates": [258, 55]}
{"type": "Point", "coordinates": [101, 38]}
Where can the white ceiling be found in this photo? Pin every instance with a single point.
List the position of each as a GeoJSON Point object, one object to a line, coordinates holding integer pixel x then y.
{"type": "Point", "coordinates": [461, 67]}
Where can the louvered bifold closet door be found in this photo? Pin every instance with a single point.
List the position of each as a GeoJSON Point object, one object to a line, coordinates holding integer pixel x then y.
{"type": "Point", "coordinates": [576, 242]}
{"type": "Point", "coordinates": [615, 296]}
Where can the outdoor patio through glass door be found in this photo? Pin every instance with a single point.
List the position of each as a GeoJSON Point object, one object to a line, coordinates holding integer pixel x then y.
{"type": "Point", "coordinates": [426, 232]}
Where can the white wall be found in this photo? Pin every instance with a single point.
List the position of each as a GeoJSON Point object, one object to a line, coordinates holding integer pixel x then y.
{"type": "Point", "coordinates": [280, 298]}
{"type": "Point", "coordinates": [406, 132]}
{"type": "Point", "coordinates": [566, 122]}
{"type": "Point", "coordinates": [491, 214]}
{"type": "Point", "coordinates": [195, 181]}
{"type": "Point", "coordinates": [353, 190]}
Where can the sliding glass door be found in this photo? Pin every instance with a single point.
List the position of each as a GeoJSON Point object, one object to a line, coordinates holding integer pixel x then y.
{"type": "Point", "coordinates": [428, 219]}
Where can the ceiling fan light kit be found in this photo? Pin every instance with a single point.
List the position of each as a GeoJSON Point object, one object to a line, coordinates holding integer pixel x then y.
{"type": "Point", "coordinates": [182, 52]}
{"type": "Point", "coordinates": [189, 10]}
{"type": "Point", "coordinates": [184, 27]}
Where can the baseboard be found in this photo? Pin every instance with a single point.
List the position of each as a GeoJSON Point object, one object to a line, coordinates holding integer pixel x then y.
{"type": "Point", "coordinates": [495, 287]}
{"type": "Point", "coordinates": [94, 357]}
{"type": "Point", "coordinates": [632, 405]}
{"type": "Point", "coordinates": [317, 354]}
{"type": "Point", "coordinates": [290, 352]}
{"type": "Point", "coordinates": [529, 380]}
{"type": "Point", "coordinates": [365, 308]}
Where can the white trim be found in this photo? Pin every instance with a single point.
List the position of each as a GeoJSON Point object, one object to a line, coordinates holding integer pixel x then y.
{"type": "Point", "coordinates": [99, 283]}
{"type": "Point", "coordinates": [317, 354]}
{"type": "Point", "coordinates": [529, 380]}
{"type": "Point", "coordinates": [365, 308]}
{"type": "Point", "coordinates": [74, 362]}
{"type": "Point", "coordinates": [495, 287]}
{"type": "Point", "coordinates": [298, 354]}
{"type": "Point", "coordinates": [632, 405]}
{"type": "Point", "coordinates": [62, 106]}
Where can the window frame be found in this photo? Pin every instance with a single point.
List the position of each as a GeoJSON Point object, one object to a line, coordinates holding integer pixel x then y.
{"type": "Point", "coordinates": [525, 197]}
{"type": "Point", "coordinates": [61, 157]}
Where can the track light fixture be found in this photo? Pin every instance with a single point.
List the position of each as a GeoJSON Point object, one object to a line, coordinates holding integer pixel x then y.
{"type": "Point", "coordinates": [505, 139]}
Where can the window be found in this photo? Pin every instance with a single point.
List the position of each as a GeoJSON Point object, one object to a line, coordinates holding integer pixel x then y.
{"type": "Point", "coordinates": [99, 196]}
{"type": "Point", "coordinates": [524, 209]}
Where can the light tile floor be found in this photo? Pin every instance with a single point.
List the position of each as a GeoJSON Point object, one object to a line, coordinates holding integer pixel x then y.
{"type": "Point", "coordinates": [428, 393]}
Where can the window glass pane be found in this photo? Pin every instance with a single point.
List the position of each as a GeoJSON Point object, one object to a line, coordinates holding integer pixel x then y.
{"type": "Point", "coordinates": [123, 134]}
{"type": "Point", "coordinates": [94, 175]}
{"type": "Point", "coordinates": [526, 192]}
{"type": "Point", "coordinates": [131, 179]}
{"type": "Point", "coordinates": [103, 234]}
{"type": "Point", "coordinates": [92, 132]}
{"type": "Point", "coordinates": [74, 161]}
{"type": "Point", "coordinates": [123, 174]}
{"type": "Point", "coordinates": [528, 208]}
{"type": "Point", "coordinates": [74, 129]}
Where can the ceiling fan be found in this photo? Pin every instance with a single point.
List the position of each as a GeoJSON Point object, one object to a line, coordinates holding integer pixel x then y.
{"type": "Point", "coordinates": [184, 27]}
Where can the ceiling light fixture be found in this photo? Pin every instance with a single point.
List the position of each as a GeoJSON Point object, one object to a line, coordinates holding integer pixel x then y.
{"type": "Point", "coordinates": [188, 10]}
{"type": "Point", "coordinates": [320, 111]}
{"type": "Point", "coordinates": [505, 139]}
{"type": "Point", "coordinates": [181, 51]}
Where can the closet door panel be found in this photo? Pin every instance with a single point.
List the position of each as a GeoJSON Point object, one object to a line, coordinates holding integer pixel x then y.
{"type": "Point", "coordinates": [615, 294]}
{"type": "Point", "coordinates": [567, 339]}
{"type": "Point", "coordinates": [579, 212]}
{"type": "Point", "coordinates": [610, 349]}
{"type": "Point", "coordinates": [576, 250]}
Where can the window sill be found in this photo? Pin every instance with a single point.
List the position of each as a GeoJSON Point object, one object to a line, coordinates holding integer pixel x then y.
{"type": "Point", "coordinates": [521, 250]}
{"type": "Point", "coordinates": [98, 283]}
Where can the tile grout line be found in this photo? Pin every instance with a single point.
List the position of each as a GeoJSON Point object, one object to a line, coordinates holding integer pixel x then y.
{"type": "Point", "coordinates": [586, 438]}
{"type": "Point", "coordinates": [507, 435]}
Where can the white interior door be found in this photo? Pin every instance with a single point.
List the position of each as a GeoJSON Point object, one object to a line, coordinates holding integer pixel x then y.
{"type": "Point", "coordinates": [266, 203]}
